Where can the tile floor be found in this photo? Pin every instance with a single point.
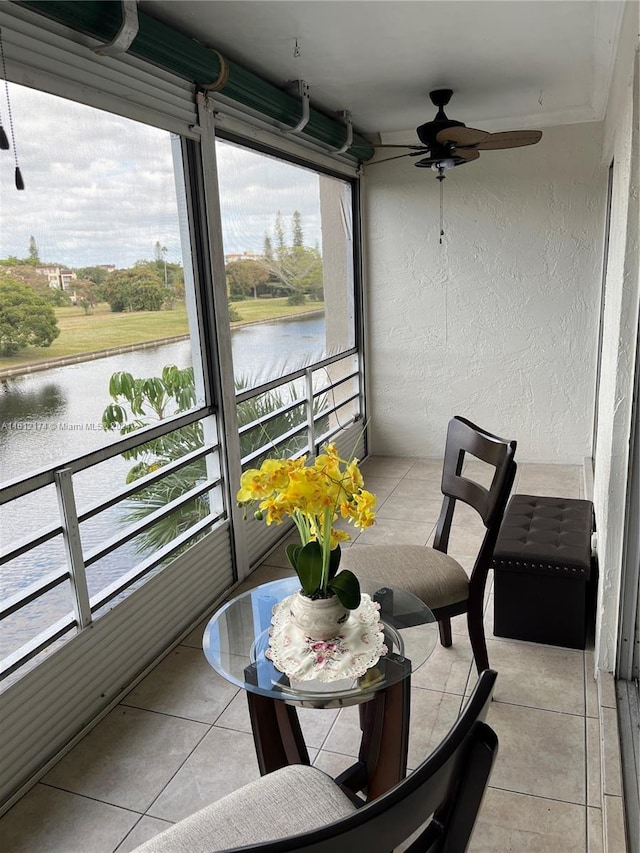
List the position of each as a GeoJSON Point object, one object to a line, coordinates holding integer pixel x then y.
{"type": "Point", "coordinates": [181, 738]}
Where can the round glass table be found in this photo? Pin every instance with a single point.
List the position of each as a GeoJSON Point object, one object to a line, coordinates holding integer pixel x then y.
{"type": "Point", "coordinates": [237, 637]}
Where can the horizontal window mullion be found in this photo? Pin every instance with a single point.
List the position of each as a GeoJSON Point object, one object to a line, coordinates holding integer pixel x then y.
{"type": "Point", "coordinates": [19, 487]}
{"type": "Point", "coordinates": [162, 472]}
{"type": "Point", "coordinates": [25, 545]}
{"type": "Point", "coordinates": [296, 374]}
{"type": "Point", "coordinates": [328, 388]}
{"type": "Point", "coordinates": [14, 661]}
{"type": "Point", "coordinates": [336, 406]}
{"type": "Point", "coordinates": [31, 593]}
{"type": "Point", "coordinates": [275, 443]}
{"type": "Point", "coordinates": [289, 407]}
{"type": "Point", "coordinates": [140, 526]}
{"type": "Point", "coordinates": [143, 568]}
{"type": "Point", "coordinates": [337, 429]}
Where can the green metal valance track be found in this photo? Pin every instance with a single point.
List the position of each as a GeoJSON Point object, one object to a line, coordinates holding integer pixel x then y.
{"type": "Point", "coordinates": [175, 52]}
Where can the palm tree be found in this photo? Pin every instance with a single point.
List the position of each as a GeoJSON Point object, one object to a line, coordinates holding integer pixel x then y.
{"type": "Point", "coordinates": [142, 401]}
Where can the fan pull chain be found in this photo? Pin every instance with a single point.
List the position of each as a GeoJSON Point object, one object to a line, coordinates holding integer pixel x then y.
{"type": "Point", "coordinates": [3, 137]}
{"type": "Point", "coordinates": [440, 177]}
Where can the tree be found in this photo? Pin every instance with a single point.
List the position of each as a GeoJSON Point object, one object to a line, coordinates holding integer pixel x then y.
{"type": "Point", "coordinates": [296, 268]}
{"type": "Point", "coordinates": [26, 319]}
{"type": "Point", "coordinates": [33, 251]}
{"type": "Point", "coordinates": [98, 275]}
{"type": "Point", "coordinates": [298, 237]}
{"type": "Point", "coordinates": [137, 289]}
{"type": "Point", "coordinates": [86, 294]}
{"type": "Point", "coordinates": [246, 277]}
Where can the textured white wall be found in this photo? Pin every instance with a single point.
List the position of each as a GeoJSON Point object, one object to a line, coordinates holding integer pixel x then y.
{"type": "Point", "coordinates": [499, 323]}
{"type": "Point", "coordinates": [621, 144]}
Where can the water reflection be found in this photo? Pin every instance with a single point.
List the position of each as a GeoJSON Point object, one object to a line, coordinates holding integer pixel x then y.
{"type": "Point", "coordinates": [23, 404]}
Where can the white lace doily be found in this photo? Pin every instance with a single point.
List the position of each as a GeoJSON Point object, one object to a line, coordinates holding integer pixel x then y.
{"type": "Point", "coordinates": [358, 646]}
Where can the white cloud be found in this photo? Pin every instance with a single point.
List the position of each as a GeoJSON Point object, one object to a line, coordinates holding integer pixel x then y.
{"type": "Point", "coordinates": [100, 188]}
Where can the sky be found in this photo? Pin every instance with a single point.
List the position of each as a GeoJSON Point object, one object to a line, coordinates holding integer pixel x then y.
{"type": "Point", "coordinates": [100, 189]}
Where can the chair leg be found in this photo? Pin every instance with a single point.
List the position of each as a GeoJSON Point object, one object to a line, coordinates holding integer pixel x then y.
{"type": "Point", "coordinates": [475, 623]}
{"type": "Point", "coordinates": [444, 627]}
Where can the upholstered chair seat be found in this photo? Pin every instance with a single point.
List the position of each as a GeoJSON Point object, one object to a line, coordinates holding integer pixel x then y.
{"type": "Point", "coordinates": [430, 575]}
{"type": "Point", "coordinates": [290, 801]}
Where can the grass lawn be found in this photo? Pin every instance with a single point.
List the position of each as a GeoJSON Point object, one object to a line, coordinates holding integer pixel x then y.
{"type": "Point", "coordinates": [82, 333]}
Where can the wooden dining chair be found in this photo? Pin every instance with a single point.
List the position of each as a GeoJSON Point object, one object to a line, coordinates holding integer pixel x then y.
{"type": "Point", "coordinates": [431, 573]}
{"type": "Point", "coordinates": [300, 808]}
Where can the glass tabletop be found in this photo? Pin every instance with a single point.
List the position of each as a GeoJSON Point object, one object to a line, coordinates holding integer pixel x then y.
{"type": "Point", "coordinates": [237, 637]}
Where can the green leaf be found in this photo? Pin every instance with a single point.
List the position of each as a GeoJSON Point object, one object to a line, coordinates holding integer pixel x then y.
{"type": "Point", "coordinates": [292, 552]}
{"type": "Point", "coordinates": [334, 562]}
{"type": "Point", "coordinates": [347, 587]}
{"type": "Point", "coordinates": [309, 567]}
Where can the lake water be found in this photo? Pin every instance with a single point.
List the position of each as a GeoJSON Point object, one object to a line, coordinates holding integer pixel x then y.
{"type": "Point", "coordinates": [54, 415]}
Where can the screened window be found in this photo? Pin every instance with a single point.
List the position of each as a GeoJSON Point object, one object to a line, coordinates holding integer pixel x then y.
{"type": "Point", "coordinates": [102, 380]}
{"type": "Point", "coordinates": [288, 242]}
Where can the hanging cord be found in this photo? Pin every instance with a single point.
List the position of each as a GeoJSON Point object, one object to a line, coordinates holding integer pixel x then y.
{"type": "Point", "coordinates": [440, 177]}
{"type": "Point", "coordinates": [18, 174]}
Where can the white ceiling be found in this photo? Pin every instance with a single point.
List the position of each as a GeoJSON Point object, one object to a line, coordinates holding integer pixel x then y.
{"type": "Point", "coordinates": [511, 63]}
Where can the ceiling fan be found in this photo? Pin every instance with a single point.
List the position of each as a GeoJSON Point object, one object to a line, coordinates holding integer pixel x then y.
{"type": "Point", "coordinates": [449, 143]}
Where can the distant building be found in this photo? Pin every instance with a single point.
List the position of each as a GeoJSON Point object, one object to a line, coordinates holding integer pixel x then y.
{"type": "Point", "coordinates": [107, 267]}
{"type": "Point", "coordinates": [58, 278]}
{"type": "Point", "coordinates": [243, 256]}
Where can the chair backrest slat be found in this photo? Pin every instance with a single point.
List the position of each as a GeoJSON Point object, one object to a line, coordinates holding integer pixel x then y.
{"type": "Point", "coordinates": [465, 438]}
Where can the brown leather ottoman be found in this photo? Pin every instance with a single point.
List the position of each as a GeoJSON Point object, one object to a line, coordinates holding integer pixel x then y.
{"type": "Point", "coordinates": [542, 564]}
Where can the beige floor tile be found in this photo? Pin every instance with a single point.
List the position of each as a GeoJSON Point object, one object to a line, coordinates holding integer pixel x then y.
{"type": "Point", "coordinates": [538, 676]}
{"type": "Point", "coordinates": [183, 685]}
{"type": "Point", "coordinates": [333, 763]}
{"type": "Point", "coordinates": [426, 469]}
{"type": "Point", "coordinates": [48, 820]}
{"type": "Point", "coordinates": [128, 758]}
{"type": "Point", "coordinates": [146, 828]}
{"type": "Point", "coordinates": [447, 670]}
{"type": "Point", "coordinates": [387, 531]}
{"type": "Point", "coordinates": [344, 736]}
{"type": "Point", "coordinates": [223, 762]}
{"type": "Point", "coordinates": [466, 541]}
{"type": "Point", "coordinates": [236, 715]}
{"type": "Point", "coordinates": [381, 487]}
{"type": "Point", "coordinates": [432, 715]}
{"type": "Point", "coordinates": [404, 507]}
{"type": "Point", "coordinates": [541, 752]}
{"type": "Point", "coordinates": [614, 830]}
{"type": "Point", "coordinates": [594, 782]}
{"type": "Point", "coordinates": [419, 490]}
{"type": "Point", "coordinates": [386, 466]}
{"type": "Point", "coordinates": [610, 739]}
{"type": "Point", "coordinates": [515, 823]}
{"type": "Point", "coordinates": [315, 724]}
{"type": "Point", "coordinates": [194, 639]}
{"type": "Point", "coordinates": [594, 831]}
{"type": "Point", "coordinates": [549, 480]}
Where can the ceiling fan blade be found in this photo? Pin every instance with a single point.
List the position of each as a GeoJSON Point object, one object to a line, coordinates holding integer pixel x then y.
{"type": "Point", "coordinates": [467, 154]}
{"type": "Point", "coordinates": [509, 139]}
{"type": "Point", "coordinates": [461, 136]}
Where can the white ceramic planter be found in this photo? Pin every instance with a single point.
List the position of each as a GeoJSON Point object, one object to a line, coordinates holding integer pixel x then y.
{"type": "Point", "coordinates": [319, 619]}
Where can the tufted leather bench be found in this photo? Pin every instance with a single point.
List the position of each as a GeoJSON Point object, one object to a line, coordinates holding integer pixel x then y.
{"type": "Point", "coordinates": [542, 564]}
